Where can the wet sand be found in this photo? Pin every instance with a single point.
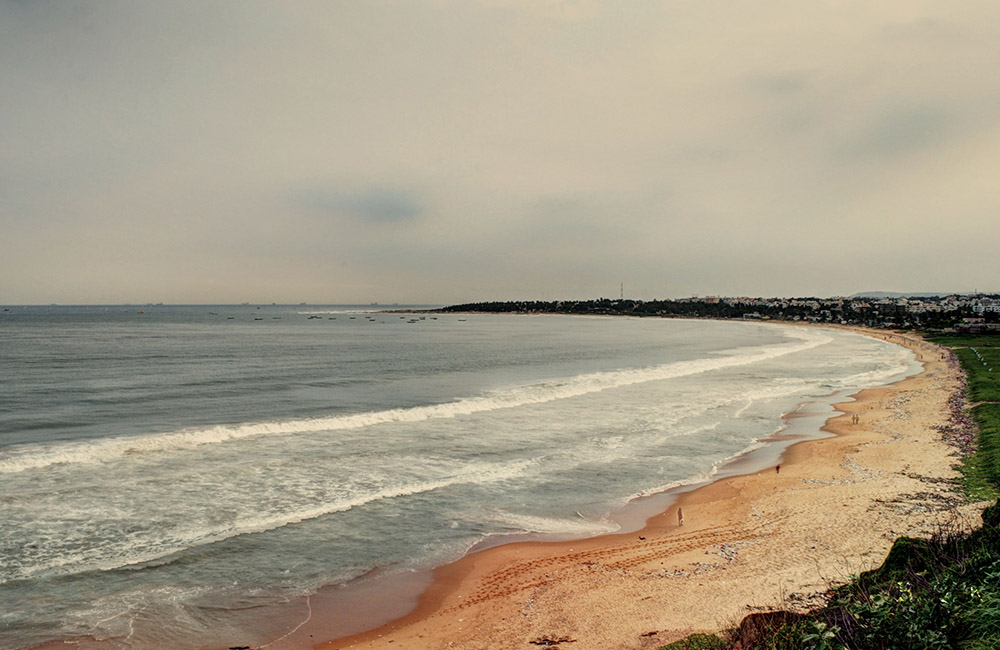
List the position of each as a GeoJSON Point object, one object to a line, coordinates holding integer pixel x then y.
{"type": "Point", "coordinates": [747, 543]}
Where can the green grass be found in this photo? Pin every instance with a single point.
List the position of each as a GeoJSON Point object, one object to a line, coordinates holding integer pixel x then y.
{"type": "Point", "coordinates": [984, 465]}
{"type": "Point", "coordinates": [937, 593]}
{"type": "Point", "coordinates": [981, 470]}
{"type": "Point", "coordinates": [984, 386]}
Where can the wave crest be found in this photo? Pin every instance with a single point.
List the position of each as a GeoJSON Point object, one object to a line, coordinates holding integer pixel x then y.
{"type": "Point", "coordinates": [29, 457]}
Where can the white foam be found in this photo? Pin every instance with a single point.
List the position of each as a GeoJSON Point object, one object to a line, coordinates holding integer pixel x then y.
{"type": "Point", "coordinates": [575, 527]}
{"type": "Point", "coordinates": [28, 457]}
{"type": "Point", "coordinates": [783, 389]}
{"type": "Point", "coordinates": [61, 561]}
{"type": "Point", "coordinates": [698, 479]}
{"type": "Point", "coordinates": [672, 485]}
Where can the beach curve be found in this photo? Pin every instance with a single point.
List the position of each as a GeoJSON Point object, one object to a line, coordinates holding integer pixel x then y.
{"type": "Point", "coordinates": [748, 542]}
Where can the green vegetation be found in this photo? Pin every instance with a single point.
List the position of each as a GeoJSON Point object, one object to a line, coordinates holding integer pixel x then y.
{"type": "Point", "coordinates": [928, 594]}
{"type": "Point", "coordinates": [980, 359]}
{"type": "Point", "coordinates": [937, 593]}
{"type": "Point", "coordinates": [981, 471]}
{"type": "Point", "coordinates": [977, 482]}
{"type": "Point", "coordinates": [978, 355]}
{"type": "Point", "coordinates": [969, 313]}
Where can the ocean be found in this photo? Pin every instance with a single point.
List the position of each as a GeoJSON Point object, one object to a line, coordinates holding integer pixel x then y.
{"type": "Point", "coordinates": [170, 475]}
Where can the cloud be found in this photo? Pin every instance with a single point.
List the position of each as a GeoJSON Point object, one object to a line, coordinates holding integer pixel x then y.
{"type": "Point", "coordinates": [782, 83]}
{"type": "Point", "coordinates": [900, 131]}
{"type": "Point", "coordinates": [379, 205]}
{"type": "Point", "coordinates": [439, 149]}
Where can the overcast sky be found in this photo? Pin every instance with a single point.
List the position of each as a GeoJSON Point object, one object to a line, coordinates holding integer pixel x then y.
{"type": "Point", "coordinates": [440, 151]}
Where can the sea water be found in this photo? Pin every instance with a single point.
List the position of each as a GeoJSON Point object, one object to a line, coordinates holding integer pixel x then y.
{"type": "Point", "coordinates": [165, 471]}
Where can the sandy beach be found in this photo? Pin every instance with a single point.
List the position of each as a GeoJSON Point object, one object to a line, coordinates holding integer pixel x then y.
{"type": "Point", "coordinates": [778, 537]}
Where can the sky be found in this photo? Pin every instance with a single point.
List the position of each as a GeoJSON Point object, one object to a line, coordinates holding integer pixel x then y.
{"type": "Point", "coordinates": [447, 151]}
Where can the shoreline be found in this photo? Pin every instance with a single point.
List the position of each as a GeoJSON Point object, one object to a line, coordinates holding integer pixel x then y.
{"type": "Point", "coordinates": [753, 539]}
{"type": "Point", "coordinates": [351, 605]}
{"type": "Point", "coordinates": [646, 587]}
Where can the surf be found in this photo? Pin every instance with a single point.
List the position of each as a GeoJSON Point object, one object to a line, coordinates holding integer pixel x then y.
{"type": "Point", "coordinates": [29, 457]}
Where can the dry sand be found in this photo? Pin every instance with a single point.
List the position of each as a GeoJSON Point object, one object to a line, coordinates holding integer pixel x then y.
{"type": "Point", "coordinates": [747, 543]}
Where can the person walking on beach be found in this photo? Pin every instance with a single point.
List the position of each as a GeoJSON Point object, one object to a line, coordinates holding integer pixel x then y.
{"type": "Point", "coordinates": [680, 517]}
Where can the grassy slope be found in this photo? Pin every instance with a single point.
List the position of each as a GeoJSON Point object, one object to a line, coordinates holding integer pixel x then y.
{"type": "Point", "coordinates": [980, 358]}
{"type": "Point", "coordinates": [984, 386]}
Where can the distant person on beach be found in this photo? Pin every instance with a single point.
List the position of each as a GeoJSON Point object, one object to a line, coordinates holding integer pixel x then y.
{"type": "Point", "coordinates": [777, 469]}
{"type": "Point", "coordinates": [680, 517]}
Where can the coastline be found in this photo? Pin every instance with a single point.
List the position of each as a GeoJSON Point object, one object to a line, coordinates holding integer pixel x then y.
{"type": "Point", "coordinates": [753, 539]}
{"type": "Point", "coordinates": [749, 542]}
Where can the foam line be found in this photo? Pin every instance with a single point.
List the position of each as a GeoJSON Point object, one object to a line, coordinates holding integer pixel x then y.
{"type": "Point", "coordinates": [106, 558]}
{"type": "Point", "coordinates": [16, 459]}
{"type": "Point", "coordinates": [522, 523]}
